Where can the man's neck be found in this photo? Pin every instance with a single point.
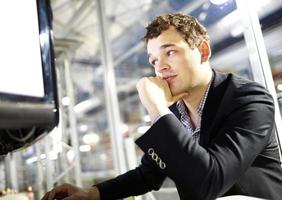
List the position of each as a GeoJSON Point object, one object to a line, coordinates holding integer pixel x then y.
{"type": "Point", "coordinates": [192, 101]}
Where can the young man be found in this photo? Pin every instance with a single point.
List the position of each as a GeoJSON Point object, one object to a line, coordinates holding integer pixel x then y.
{"type": "Point", "coordinates": [212, 133]}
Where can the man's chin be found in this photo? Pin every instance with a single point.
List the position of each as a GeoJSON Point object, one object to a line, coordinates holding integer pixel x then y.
{"type": "Point", "coordinates": [177, 92]}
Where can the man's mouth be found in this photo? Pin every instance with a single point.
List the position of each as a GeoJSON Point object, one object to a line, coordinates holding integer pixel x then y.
{"type": "Point", "coordinates": [169, 78]}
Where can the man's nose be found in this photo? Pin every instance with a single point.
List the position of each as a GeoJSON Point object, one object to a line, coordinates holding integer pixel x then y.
{"type": "Point", "coordinates": [161, 65]}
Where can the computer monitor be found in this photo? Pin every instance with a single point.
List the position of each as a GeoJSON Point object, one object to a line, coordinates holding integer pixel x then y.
{"type": "Point", "coordinates": [28, 95]}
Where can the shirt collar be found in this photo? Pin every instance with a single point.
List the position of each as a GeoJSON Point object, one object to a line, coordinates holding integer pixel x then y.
{"type": "Point", "coordinates": [182, 107]}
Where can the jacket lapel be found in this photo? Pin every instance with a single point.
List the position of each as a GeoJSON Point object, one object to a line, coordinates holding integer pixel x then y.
{"type": "Point", "coordinates": [210, 111]}
{"type": "Point", "coordinates": [214, 98]}
{"type": "Point", "coordinates": [174, 110]}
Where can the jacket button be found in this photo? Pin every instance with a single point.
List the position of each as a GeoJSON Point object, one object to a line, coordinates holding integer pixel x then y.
{"type": "Point", "coordinates": [162, 165]}
{"type": "Point", "coordinates": [151, 151]}
{"type": "Point", "coordinates": [155, 157]}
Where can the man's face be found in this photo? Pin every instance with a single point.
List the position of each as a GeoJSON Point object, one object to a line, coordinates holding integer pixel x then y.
{"type": "Point", "coordinates": [174, 61]}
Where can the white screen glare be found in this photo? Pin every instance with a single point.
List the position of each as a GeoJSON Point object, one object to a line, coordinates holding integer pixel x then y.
{"type": "Point", "coordinates": [20, 56]}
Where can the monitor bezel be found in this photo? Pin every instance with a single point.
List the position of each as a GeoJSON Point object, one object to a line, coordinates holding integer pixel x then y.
{"type": "Point", "coordinates": [22, 111]}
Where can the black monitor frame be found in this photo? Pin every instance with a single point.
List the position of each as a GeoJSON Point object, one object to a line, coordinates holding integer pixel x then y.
{"type": "Point", "coordinates": [19, 111]}
{"type": "Point", "coordinates": [25, 119]}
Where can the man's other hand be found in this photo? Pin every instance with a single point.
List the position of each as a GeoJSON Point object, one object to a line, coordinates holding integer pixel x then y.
{"type": "Point", "coordinates": [71, 192]}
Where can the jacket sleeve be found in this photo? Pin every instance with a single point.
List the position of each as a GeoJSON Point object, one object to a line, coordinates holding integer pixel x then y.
{"type": "Point", "coordinates": [206, 173]}
{"type": "Point", "coordinates": [142, 179]}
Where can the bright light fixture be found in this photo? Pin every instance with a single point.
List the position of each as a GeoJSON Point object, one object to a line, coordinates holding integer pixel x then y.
{"type": "Point", "coordinates": [279, 87]}
{"type": "Point", "coordinates": [218, 2]}
{"type": "Point", "coordinates": [237, 31]}
{"type": "Point", "coordinates": [83, 128]}
{"type": "Point", "coordinates": [31, 160]}
{"type": "Point", "coordinates": [124, 128]}
{"type": "Point", "coordinates": [146, 118]}
{"type": "Point", "coordinates": [91, 138]}
{"type": "Point", "coordinates": [66, 101]}
{"type": "Point", "coordinates": [103, 156]}
{"type": "Point", "coordinates": [85, 148]}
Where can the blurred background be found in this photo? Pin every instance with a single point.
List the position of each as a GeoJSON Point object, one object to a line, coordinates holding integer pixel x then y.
{"type": "Point", "coordinates": [100, 56]}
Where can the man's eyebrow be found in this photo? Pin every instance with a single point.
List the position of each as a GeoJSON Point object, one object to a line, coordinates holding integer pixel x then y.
{"type": "Point", "coordinates": [166, 45]}
{"type": "Point", "coordinates": [161, 47]}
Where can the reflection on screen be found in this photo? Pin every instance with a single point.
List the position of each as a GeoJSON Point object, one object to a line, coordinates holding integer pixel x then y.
{"type": "Point", "coordinates": [20, 57]}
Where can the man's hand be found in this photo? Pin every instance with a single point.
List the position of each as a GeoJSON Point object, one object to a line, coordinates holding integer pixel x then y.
{"type": "Point", "coordinates": [71, 192]}
{"type": "Point", "coordinates": [156, 96]}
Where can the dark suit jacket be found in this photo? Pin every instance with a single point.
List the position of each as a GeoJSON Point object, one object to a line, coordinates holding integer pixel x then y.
{"type": "Point", "coordinates": [237, 154]}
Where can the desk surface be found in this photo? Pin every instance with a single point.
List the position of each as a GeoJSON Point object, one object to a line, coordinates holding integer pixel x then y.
{"type": "Point", "coordinates": [20, 196]}
{"type": "Point", "coordinates": [238, 197]}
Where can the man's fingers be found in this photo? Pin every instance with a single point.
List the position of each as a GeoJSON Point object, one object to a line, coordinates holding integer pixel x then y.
{"type": "Point", "coordinates": [48, 196]}
{"type": "Point", "coordinates": [45, 197]}
{"type": "Point", "coordinates": [59, 192]}
{"type": "Point", "coordinates": [52, 194]}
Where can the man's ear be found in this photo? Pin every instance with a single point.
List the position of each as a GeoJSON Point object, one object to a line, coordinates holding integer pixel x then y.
{"type": "Point", "coordinates": [205, 51]}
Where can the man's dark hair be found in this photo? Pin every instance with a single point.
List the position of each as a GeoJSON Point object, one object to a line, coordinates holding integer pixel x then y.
{"type": "Point", "coordinates": [188, 27]}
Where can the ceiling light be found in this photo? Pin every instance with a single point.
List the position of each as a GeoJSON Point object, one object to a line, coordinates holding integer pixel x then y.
{"type": "Point", "coordinates": [218, 2]}
{"type": "Point", "coordinates": [66, 101]}
{"type": "Point", "coordinates": [103, 157]}
{"type": "Point", "coordinates": [146, 118]}
{"type": "Point", "coordinates": [279, 87]}
{"type": "Point", "coordinates": [202, 16]}
{"type": "Point", "coordinates": [124, 128]}
{"type": "Point", "coordinates": [83, 128]}
{"type": "Point", "coordinates": [206, 6]}
{"type": "Point", "coordinates": [31, 160]}
{"type": "Point", "coordinates": [237, 31]}
{"type": "Point", "coordinates": [91, 138]}
{"type": "Point", "coordinates": [85, 148]}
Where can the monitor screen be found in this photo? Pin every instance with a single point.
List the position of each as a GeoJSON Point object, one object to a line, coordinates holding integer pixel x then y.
{"type": "Point", "coordinates": [19, 37]}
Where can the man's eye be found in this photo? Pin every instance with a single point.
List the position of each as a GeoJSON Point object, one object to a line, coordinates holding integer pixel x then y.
{"type": "Point", "coordinates": [170, 52]}
{"type": "Point", "coordinates": [153, 62]}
